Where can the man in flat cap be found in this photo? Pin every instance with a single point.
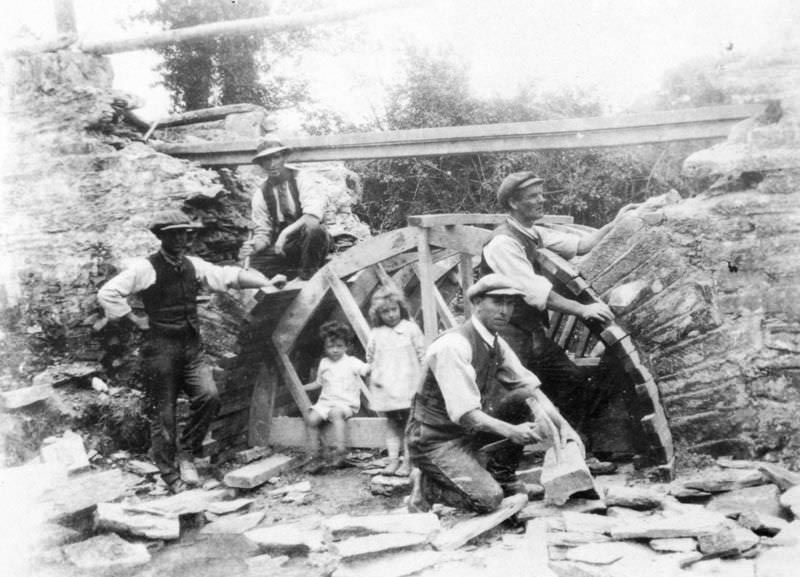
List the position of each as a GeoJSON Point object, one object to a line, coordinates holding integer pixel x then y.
{"type": "Point", "coordinates": [512, 252]}
{"type": "Point", "coordinates": [288, 215]}
{"type": "Point", "coordinates": [476, 391]}
{"type": "Point", "coordinates": [168, 283]}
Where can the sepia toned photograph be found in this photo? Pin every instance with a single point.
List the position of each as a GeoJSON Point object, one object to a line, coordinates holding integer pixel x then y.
{"type": "Point", "coordinates": [395, 288]}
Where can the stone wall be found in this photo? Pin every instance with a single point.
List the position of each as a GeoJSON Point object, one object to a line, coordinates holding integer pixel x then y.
{"type": "Point", "coordinates": [79, 187]}
{"type": "Point", "coordinates": [717, 285]}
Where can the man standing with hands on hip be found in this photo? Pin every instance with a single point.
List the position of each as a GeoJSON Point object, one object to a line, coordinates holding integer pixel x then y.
{"type": "Point", "coordinates": [168, 283]}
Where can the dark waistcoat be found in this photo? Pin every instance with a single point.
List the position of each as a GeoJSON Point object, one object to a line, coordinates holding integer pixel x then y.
{"type": "Point", "coordinates": [524, 316]}
{"type": "Point", "coordinates": [429, 406]}
{"type": "Point", "coordinates": [272, 205]}
{"type": "Point", "coordinates": [171, 302]}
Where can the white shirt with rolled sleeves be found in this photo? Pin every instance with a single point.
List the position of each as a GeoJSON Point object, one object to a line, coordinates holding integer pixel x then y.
{"type": "Point", "coordinates": [450, 360]}
{"type": "Point", "coordinates": [505, 255]}
{"type": "Point", "coordinates": [312, 190]}
{"type": "Point", "coordinates": [140, 275]}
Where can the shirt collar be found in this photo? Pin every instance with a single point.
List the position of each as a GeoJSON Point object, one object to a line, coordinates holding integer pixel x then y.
{"type": "Point", "coordinates": [176, 262]}
{"type": "Point", "coordinates": [529, 232]}
{"type": "Point", "coordinates": [484, 333]}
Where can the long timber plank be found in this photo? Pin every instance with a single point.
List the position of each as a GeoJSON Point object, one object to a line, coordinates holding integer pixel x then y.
{"type": "Point", "coordinates": [564, 134]}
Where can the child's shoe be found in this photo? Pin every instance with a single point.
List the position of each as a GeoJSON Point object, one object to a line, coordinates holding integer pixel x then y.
{"type": "Point", "coordinates": [339, 460]}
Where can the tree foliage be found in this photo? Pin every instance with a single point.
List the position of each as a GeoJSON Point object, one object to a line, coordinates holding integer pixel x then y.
{"type": "Point", "coordinates": [228, 70]}
{"type": "Point", "coordinates": [590, 185]}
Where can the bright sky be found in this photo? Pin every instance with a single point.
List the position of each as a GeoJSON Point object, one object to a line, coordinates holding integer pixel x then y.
{"type": "Point", "coordinates": [620, 48]}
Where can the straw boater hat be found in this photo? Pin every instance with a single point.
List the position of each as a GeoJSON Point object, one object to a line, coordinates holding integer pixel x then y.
{"type": "Point", "coordinates": [172, 220]}
{"type": "Point", "coordinates": [493, 284]}
{"type": "Point", "coordinates": [513, 182]}
{"type": "Point", "coordinates": [268, 148]}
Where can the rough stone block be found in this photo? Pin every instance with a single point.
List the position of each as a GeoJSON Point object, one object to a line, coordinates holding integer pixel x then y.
{"type": "Point", "coordinates": [258, 473]}
{"type": "Point", "coordinates": [106, 552]}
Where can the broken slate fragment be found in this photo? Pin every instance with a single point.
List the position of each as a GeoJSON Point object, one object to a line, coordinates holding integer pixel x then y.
{"type": "Point", "coordinates": [639, 498]}
{"type": "Point", "coordinates": [791, 500]}
{"type": "Point", "coordinates": [597, 553]}
{"type": "Point", "coordinates": [339, 526]}
{"type": "Point", "coordinates": [234, 524]}
{"type": "Point", "coordinates": [762, 499]}
{"type": "Point", "coordinates": [724, 480]}
{"type": "Point", "coordinates": [675, 545]}
{"type": "Point", "coordinates": [258, 473]}
{"type": "Point", "coordinates": [301, 487]}
{"type": "Point", "coordinates": [538, 509]}
{"type": "Point", "coordinates": [106, 552]}
{"type": "Point", "coordinates": [142, 468]}
{"type": "Point", "coordinates": [401, 564]}
{"type": "Point", "coordinates": [729, 540]}
{"type": "Point", "coordinates": [252, 454]}
{"type": "Point", "coordinates": [63, 373]}
{"type": "Point", "coordinates": [24, 397]}
{"type": "Point", "coordinates": [360, 547]}
{"type": "Point", "coordinates": [151, 524]}
{"type": "Point", "coordinates": [389, 486]}
{"type": "Point", "coordinates": [762, 524]}
{"type": "Point", "coordinates": [225, 507]}
{"type": "Point", "coordinates": [66, 450]}
{"type": "Point", "coordinates": [291, 539]}
{"type": "Point", "coordinates": [687, 525]}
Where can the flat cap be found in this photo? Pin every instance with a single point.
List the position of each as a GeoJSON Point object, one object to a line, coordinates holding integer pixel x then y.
{"type": "Point", "coordinates": [515, 181]}
{"type": "Point", "coordinates": [494, 284]}
{"type": "Point", "coordinates": [172, 220]}
{"type": "Point", "coordinates": [268, 148]}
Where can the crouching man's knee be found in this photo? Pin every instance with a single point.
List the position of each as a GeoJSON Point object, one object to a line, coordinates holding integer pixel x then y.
{"type": "Point", "coordinates": [488, 499]}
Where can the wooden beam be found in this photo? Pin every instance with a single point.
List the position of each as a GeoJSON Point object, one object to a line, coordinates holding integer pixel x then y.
{"type": "Point", "coordinates": [448, 320]}
{"type": "Point", "coordinates": [469, 239]}
{"type": "Point", "coordinates": [566, 134]}
{"type": "Point", "coordinates": [207, 114]}
{"type": "Point", "coordinates": [430, 326]}
{"type": "Point", "coordinates": [465, 271]}
{"type": "Point", "coordinates": [293, 383]}
{"type": "Point", "coordinates": [374, 251]}
{"type": "Point", "coordinates": [361, 432]}
{"type": "Point", "coordinates": [243, 27]}
{"type": "Point", "coordinates": [450, 219]}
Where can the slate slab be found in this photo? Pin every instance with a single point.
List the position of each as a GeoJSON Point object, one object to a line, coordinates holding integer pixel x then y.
{"type": "Point", "coordinates": [258, 473]}
{"type": "Point", "coordinates": [120, 518]}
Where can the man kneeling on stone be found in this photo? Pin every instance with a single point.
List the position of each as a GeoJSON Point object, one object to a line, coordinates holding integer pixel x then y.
{"type": "Point", "coordinates": [172, 356]}
{"type": "Point", "coordinates": [475, 392]}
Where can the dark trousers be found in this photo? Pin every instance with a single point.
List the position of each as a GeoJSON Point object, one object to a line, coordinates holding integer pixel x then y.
{"type": "Point", "coordinates": [452, 472]}
{"type": "Point", "coordinates": [564, 383]}
{"type": "Point", "coordinates": [173, 364]}
{"type": "Point", "coordinates": [304, 254]}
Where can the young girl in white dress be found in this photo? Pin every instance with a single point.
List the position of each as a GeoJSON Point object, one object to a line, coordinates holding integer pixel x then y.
{"type": "Point", "coordinates": [394, 353]}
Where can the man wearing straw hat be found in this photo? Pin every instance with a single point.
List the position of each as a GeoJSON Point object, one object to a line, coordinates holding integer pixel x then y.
{"type": "Point", "coordinates": [287, 211]}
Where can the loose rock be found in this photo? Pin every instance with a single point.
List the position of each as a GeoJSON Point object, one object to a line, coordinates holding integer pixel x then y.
{"type": "Point", "coordinates": [258, 473]}
{"type": "Point", "coordinates": [150, 524]}
{"type": "Point", "coordinates": [106, 552]}
{"type": "Point", "coordinates": [234, 524]}
{"type": "Point", "coordinates": [639, 498]}
{"type": "Point", "coordinates": [676, 545]}
{"type": "Point", "coordinates": [729, 540]}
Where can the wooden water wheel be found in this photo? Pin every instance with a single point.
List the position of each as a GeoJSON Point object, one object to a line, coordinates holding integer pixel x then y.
{"type": "Point", "coordinates": [433, 261]}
